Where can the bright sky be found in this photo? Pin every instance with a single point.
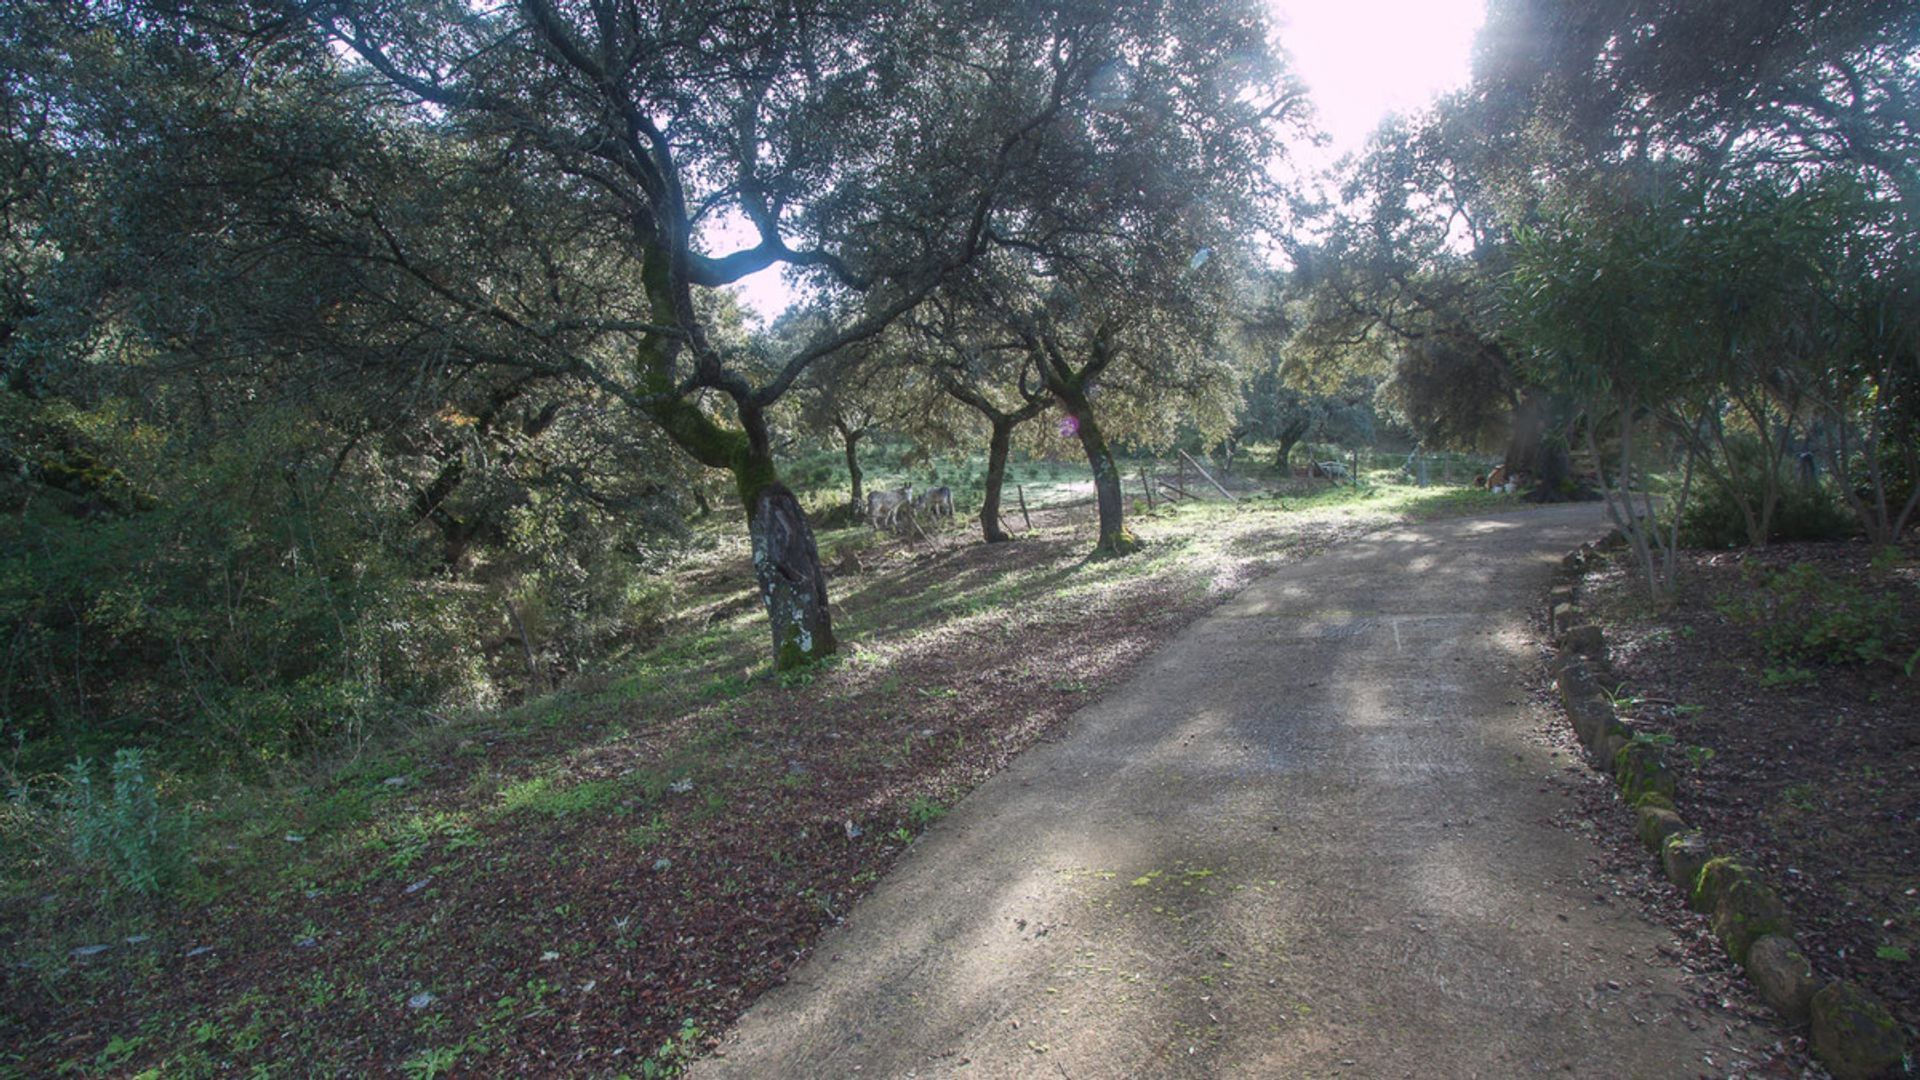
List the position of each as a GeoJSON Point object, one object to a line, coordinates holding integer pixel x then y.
{"type": "Point", "coordinates": [1361, 59]}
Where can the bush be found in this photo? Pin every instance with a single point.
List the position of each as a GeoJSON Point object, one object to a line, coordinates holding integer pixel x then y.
{"type": "Point", "coordinates": [1800, 616]}
{"type": "Point", "coordinates": [124, 833]}
{"type": "Point", "coordinates": [1713, 517]}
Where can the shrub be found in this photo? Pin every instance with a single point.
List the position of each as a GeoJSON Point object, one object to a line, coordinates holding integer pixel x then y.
{"type": "Point", "coordinates": [1800, 616]}
{"type": "Point", "coordinates": [1713, 517]}
{"type": "Point", "coordinates": [124, 832]}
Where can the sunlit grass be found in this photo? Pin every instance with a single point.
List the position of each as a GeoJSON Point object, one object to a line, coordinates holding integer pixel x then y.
{"type": "Point", "coordinates": [658, 743]}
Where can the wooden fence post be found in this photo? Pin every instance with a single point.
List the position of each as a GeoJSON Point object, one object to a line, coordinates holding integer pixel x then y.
{"type": "Point", "coordinates": [1209, 477]}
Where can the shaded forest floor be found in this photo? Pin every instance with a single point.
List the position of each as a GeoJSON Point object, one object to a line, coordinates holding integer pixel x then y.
{"type": "Point", "coordinates": [597, 881]}
{"type": "Point", "coordinates": [1808, 768]}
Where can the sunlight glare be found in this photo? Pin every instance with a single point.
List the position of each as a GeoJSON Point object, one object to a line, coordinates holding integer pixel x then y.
{"type": "Point", "coordinates": [1361, 60]}
{"type": "Point", "coordinates": [1364, 59]}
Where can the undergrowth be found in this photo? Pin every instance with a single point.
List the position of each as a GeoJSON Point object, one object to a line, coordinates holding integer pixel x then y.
{"type": "Point", "coordinates": [645, 751]}
{"type": "Point", "coordinates": [1799, 616]}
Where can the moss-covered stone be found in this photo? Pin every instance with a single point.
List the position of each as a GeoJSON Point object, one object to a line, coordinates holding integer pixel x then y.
{"type": "Point", "coordinates": [1640, 767]}
{"type": "Point", "coordinates": [1683, 856]}
{"type": "Point", "coordinates": [1617, 738]}
{"type": "Point", "coordinates": [1783, 976]}
{"type": "Point", "coordinates": [1591, 716]}
{"type": "Point", "coordinates": [1655, 823]}
{"type": "Point", "coordinates": [1576, 680]}
{"type": "Point", "coordinates": [1747, 912]}
{"type": "Point", "coordinates": [1716, 877]}
{"type": "Point", "coordinates": [1653, 798]}
{"type": "Point", "coordinates": [1854, 1036]}
{"type": "Point", "coordinates": [1587, 641]}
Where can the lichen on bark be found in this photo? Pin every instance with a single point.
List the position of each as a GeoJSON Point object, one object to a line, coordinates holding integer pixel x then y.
{"type": "Point", "coordinates": [793, 587]}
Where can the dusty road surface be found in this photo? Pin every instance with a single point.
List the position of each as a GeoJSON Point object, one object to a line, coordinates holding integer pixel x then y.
{"type": "Point", "coordinates": [1309, 838]}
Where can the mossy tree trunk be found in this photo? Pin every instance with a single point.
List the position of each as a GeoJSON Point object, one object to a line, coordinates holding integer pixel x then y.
{"type": "Point", "coordinates": [1536, 446]}
{"type": "Point", "coordinates": [791, 581]}
{"type": "Point", "coordinates": [1071, 387]}
{"type": "Point", "coordinates": [998, 448]}
{"type": "Point", "coordinates": [1115, 537]}
{"type": "Point", "coordinates": [999, 445]}
{"type": "Point", "coordinates": [786, 561]}
{"type": "Point", "coordinates": [850, 438]}
{"type": "Point", "coordinates": [1291, 432]}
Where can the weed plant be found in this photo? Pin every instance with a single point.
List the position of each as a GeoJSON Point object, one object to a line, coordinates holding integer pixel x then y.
{"type": "Point", "coordinates": [124, 832]}
{"type": "Point", "coordinates": [1799, 617]}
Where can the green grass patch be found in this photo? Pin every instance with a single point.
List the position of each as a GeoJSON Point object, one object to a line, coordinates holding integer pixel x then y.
{"type": "Point", "coordinates": [540, 795]}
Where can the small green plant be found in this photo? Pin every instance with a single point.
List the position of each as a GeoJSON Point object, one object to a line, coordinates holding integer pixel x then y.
{"type": "Point", "coordinates": [1698, 756]}
{"type": "Point", "coordinates": [805, 674]}
{"type": "Point", "coordinates": [537, 990]}
{"type": "Point", "coordinates": [1620, 698]}
{"type": "Point", "coordinates": [1799, 616]}
{"type": "Point", "coordinates": [125, 830]}
{"type": "Point", "coordinates": [540, 795]}
{"type": "Point", "coordinates": [902, 835]}
{"type": "Point", "coordinates": [118, 1049]}
{"type": "Point", "coordinates": [414, 838]}
{"type": "Point", "coordinates": [1892, 952]}
{"type": "Point", "coordinates": [1798, 796]}
{"type": "Point", "coordinates": [923, 811]}
{"type": "Point", "coordinates": [726, 687]}
{"type": "Point", "coordinates": [431, 1063]}
{"type": "Point", "coordinates": [654, 831]}
{"type": "Point", "coordinates": [674, 1055]}
{"type": "Point", "coordinates": [1787, 676]}
{"type": "Point", "coordinates": [316, 992]}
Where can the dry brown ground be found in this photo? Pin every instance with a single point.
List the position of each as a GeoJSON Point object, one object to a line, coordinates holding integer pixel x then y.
{"type": "Point", "coordinates": [593, 883]}
{"type": "Point", "coordinates": [1816, 783]}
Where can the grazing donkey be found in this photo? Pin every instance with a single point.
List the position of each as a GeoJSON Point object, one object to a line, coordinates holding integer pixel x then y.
{"type": "Point", "coordinates": [885, 506]}
{"type": "Point", "coordinates": [939, 502]}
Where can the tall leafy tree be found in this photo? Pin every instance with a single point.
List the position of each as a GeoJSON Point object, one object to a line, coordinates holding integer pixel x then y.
{"type": "Point", "coordinates": [874, 149]}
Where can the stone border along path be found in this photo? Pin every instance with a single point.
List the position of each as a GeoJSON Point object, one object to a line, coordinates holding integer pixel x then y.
{"type": "Point", "coordinates": [1852, 1033]}
{"type": "Point", "coordinates": [1308, 837]}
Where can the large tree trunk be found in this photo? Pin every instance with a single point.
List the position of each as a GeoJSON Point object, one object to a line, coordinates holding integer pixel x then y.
{"type": "Point", "coordinates": [1535, 450]}
{"type": "Point", "coordinates": [852, 440]}
{"type": "Point", "coordinates": [998, 448]}
{"type": "Point", "coordinates": [792, 584]}
{"type": "Point", "coordinates": [786, 561]}
{"type": "Point", "coordinates": [1290, 436]}
{"type": "Point", "coordinates": [1115, 538]}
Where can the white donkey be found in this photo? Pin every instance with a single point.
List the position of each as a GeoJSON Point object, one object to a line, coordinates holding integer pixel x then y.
{"type": "Point", "coordinates": [884, 506]}
{"type": "Point", "coordinates": [937, 503]}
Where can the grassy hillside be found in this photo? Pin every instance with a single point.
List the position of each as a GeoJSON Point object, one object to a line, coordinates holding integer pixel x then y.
{"type": "Point", "coordinates": [598, 879]}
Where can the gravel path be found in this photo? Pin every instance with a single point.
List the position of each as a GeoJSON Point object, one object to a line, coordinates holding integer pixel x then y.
{"type": "Point", "coordinates": [1308, 838]}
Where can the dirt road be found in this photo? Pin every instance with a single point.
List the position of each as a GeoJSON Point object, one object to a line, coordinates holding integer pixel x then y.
{"type": "Point", "coordinates": [1309, 838]}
